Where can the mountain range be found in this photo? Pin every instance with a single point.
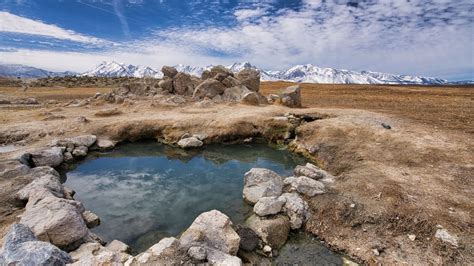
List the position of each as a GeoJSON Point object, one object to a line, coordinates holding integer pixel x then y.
{"type": "Point", "coordinates": [300, 73]}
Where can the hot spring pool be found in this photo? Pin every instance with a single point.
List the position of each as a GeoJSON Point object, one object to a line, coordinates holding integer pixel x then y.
{"type": "Point", "coordinates": [144, 192]}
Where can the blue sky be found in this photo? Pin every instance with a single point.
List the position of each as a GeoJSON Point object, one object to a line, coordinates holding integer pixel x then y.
{"type": "Point", "coordinates": [417, 37]}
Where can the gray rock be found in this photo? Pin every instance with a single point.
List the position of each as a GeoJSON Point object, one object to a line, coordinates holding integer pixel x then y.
{"type": "Point", "coordinates": [296, 209]}
{"type": "Point", "coordinates": [223, 71]}
{"type": "Point", "coordinates": [260, 182]}
{"type": "Point", "coordinates": [212, 229]}
{"type": "Point", "coordinates": [84, 140]}
{"type": "Point", "coordinates": [191, 142]}
{"type": "Point", "coordinates": [198, 253]}
{"type": "Point", "coordinates": [305, 185]}
{"type": "Point", "coordinates": [169, 71]}
{"type": "Point", "coordinates": [273, 98]}
{"type": "Point", "coordinates": [219, 258]}
{"type": "Point", "coordinates": [291, 96]}
{"type": "Point", "coordinates": [104, 144]}
{"type": "Point", "coordinates": [91, 219]}
{"type": "Point", "coordinates": [273, 231]}
{"type": "Point", "coordinates": [48, 157]}
{"type": "Point", "coordinates": [80, 151]}
{"type": "Point", "coordinates": [250, 98]}
{"type": "Point", "coordinates": [310, 172]}
{"type": "Point", "coordinates": [206, 74]}
{"type": "Point", "coordinates": [230, 82]}
{"type": "Point", "coordinates": [268, 206]}
{"type": "Point", "coordinates": [183, 84]}
{"type": "Point", "coordinates": [209, 88]}
{"type": "Point", "coordinates": [250, 78]}
{"type": "Point", "coordinates": [68, 157]}
{"type": "Point", "coordinates": [22, 248]}
{"type": "Point", "coordinates": [49, 182]}
{"type": "Point", "coordinates": [249, 240]}
{"type": "Point", "coordinates": [166, 84]}
{"type": "Point", "coordinates": [162, 253]}
{"type": "Point", "coordinates": [56, 220]}
{"type": "Point", "coordinates": [234, 94]}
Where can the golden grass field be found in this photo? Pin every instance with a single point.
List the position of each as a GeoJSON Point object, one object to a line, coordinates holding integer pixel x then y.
{"type": "Point", "coordinates": [440, 107]}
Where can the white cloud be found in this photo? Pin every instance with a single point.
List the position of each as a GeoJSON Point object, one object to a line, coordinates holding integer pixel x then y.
{"type": "Point", "coordinates": [402, 37]}
{"type": "Point", "coordinates": [16, 24]}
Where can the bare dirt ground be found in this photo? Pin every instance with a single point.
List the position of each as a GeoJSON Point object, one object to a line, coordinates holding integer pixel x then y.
{"type": "Point", "coordinates": [390, 184]}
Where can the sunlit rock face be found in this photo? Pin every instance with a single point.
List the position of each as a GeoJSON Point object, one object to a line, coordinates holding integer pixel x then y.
{"type": "Point", "coordinates": [143, 192]}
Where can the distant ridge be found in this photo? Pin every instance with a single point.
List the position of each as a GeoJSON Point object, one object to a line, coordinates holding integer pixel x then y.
{"type": "Point", "coordinates": [300, 73]}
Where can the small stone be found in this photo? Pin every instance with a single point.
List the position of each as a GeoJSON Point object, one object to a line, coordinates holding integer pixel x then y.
{"type": "Point", "coordinates": [249, 240]}
{"type": "Point", "coordinates": [198, 253]}
{"type": "Point", "coordinates": [376, 252]}
{"type": "Point", "coordinates": [412, 237]}
{"type": "Point", "coordinates": [68, 157]}
{"type": "Point", "coordinates": [386, 126]}
{"type": "Point", "coordinates": [105, 144]}
{"type": "Point", "coordinates": [80, 151]}
{"type": "Point", "coordinates": [267, 249]}
{"type": "Point", "coordinates": [91, 219]}
{"type": "Point", "coordinates": [191, 142]}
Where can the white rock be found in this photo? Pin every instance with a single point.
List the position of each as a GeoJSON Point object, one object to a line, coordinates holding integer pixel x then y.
{"type": "Point", "coordinates": [48, 157]}
{"type": "Point", "coordinates": [219, 258]}
{"type": "Point", "coordinates": [191, 142]}
{"type": "Point", "coordinates": [268, 205]}
{"type": "Point", "coordinates": [445, 236]}
{"type": "Point", "coordinates": [84, 140]}
{"type": "Point", "coordinates": [39, 187]}
{"type": "Point", "coordinates": [212, 229]}
{"type": "Point", "coordinates": [93, 253]}
{"type": "Point", "coordinates": [260, 182]}
{"type": "Point", "coordinates": [305, 185]}
{"type": "Point", "coordinates": [105, 144]}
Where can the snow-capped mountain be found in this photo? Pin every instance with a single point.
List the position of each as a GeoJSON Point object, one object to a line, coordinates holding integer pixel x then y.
{"type": "Point", "coordinates": [300, 73]}
{"type": "Point", "coordinates": [114, 69]}
{"type": "Point", "coordinates": [16, 70]}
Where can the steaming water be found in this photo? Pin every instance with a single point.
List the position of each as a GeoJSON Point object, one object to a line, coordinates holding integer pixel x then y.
{"type": "Point", "coordinates": [146, 191]}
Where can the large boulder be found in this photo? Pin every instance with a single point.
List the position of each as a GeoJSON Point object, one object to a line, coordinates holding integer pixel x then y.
{"type": "Point", "coordinates": [295, 208]}
{"type": "Point", "coordinates": [169, 71]}
{"type": "Point", "coordinates": [13, 168]}
{"type": "Point", "coordinates": [230, 82]}
{"type": "Point", "coordinates": [260, 182]}
{"type": "Point", "coordinates": [291, 97]}
{"type": "Point", "coordinates": [56, 220]}
{"type": "Point", "coordinates": [47, 157]}
{"type": "Point", "coordinates": [21, 247]}
{"type": "Point", "coordinates": [45, 185]}
{"type": "Point", "coordinates": [273, 231]}
{"type": "Point", "coordinates": [234, 94]}
{"type": "Point", "coordinates": [212, 229]}
{"type": "Point", "coordinates": [305, 185]}
{"type": "Point", "coordinates": [166, 84]}
{"type": "Point", "coordinates": [191, 142]}
{"type": "Point", "coordinates": [220, 70]}
{"type": "Point", "coordinates": [250, 98]}
{"type": "Point", "coordinates": [250, 78]}
{"type": "Point", "coordinates": [183, 84]}
{"type": "Point", "coordinates": [209, 88]}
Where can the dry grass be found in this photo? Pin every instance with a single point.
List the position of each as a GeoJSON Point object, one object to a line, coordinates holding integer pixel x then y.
{"type": "Point", "coordinates": [440, 107]}
{"type": "Point", "coordinates": [52, 93]}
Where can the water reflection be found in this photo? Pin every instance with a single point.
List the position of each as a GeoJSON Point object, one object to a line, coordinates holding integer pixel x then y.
{"type": "Point", "coordinates": [146, 191]}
